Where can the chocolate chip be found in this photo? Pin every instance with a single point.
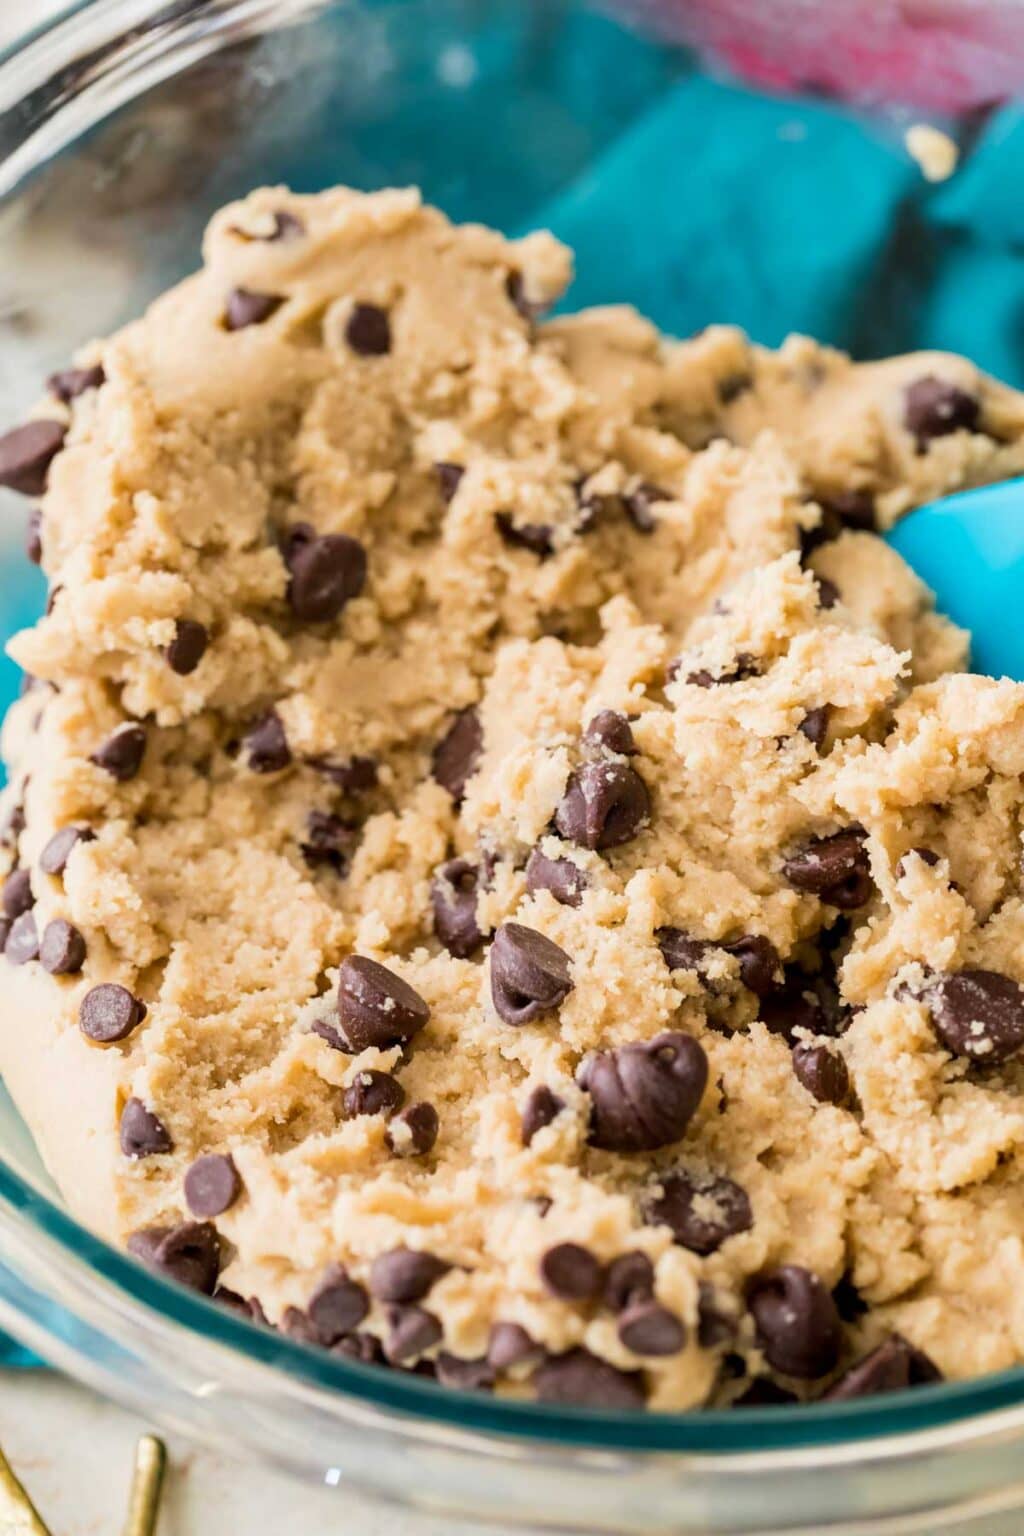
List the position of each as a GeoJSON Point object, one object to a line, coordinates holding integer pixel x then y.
{"type": "Point", "coordinates": [364, 1347]}
{"type": "Point", "coordinates": [22, 942]}
{"type": "Point", "coordinates": [627, 1280]}
{"type": "Point", "coordinates": [798, 1326]}
{"type": "Point", "coordinates": [760, 965]}
{"type": "Point", "coordinates": [292, 537]}
{"type": "Point", "coordinates": [12, 824]}
{"type": "Point", "coordinates": [373, 1093]}
{"type": "Point", "coordinates": [145, 1241]}
{"type": "Point", "coordinates": [17, 893]}
{"type": "Point", "coordinates": [245, 308]}
{"type": "Point", "coordinates": [457, 755]}
{"type": "Point", "coordinates": [828, 592]}
{"type": "Point", "coordinates": [648, 1328]}
{"type": "Point", "coordinates": [413, 1132]}
{"type": "Point", "coordinates": [122, 753]}
{"type": "Point", "coordinates": [511, 1345]}
{"type": "Point", "coordinates": [326, 574]}
{"type": "Point", "coordinates": [189, 1253]}
{"type": "Point", "coordinates": [814, 724]}
{"type": "Point", "coordinates": [643, 1096]}
{"type": "Point", "coordinates": [529, 974]}
{"type": "Point", "coordinates": [594, 506]}
{"type": "Point", "coordinates": [325, 1030]}
{"type": "Point", "coordinates": [405, 1274]}
{"type": "Point", "coordinates": [449, 478]}
{"type": "Point", "coordinates": [836, 869]}
{"type": "Point", "coordinates": [854, 509]}
{"type": "Point", "coordinates": [700, 1211]}
{"type": "Point", "coordinates": [571, 1272]}
{"type": "Point", "coordinates": [34, 536]}
{"type": "Point", "coordinates": [188, 647]}
{"type": "Point", "coordinates": [564, 879]}
{"type": "Point", "coordinates": [893, 1367]}
{"type": "Point", "coordinates": [977, 1014]}
{"type": "Point", "coordinates": [580, 1377]}
{"type": "Point", "coordinates": [62, 948]}
{"type": "Point", "coordinates": [285, 226]}
{"type": "Point", "coordinates": [639, 504]}
{"type": "Point", "coordinates": [464, 1375]}
{"type": "Point", "coordinates": [825, 531]}
{"type": "Point", "coordinates": [54, 857]}
{"type": "Point", "coordinates": [536, 537]}
{"type": "Point", "coordinates": [714, 1326]}
{"type": "Point", "coordinates": [541, 1107]}
{"type": "Point", "coordinates": [850, 1304]}
{"type": "Point", "coordinates": [72, 382]}
{"type": "Point", "coordinates": [368, 330]}
{"type": "Point", "coordinates": [605, 805]}
{"type": "Point", "coordinates": [732, 386]}
{"type": "Point", "coordinates": [453, 896]}
{"type": "Point", "coordinates": [822, 1072]}
{"type": "Point", "coordinates": [933, 408]}
{"type": "Point", "coordinates": [330, 841]}
{"type": "Point", "coordinates": [529, 309]}
{"type": "Point", "coordinates": [738, 671]}
{"type": "Point", "coordinates": [376, 1008]}
{"type": "Point", "coordinates": [142, 1133]}
{"type": "Point", "coordinates": [338, 1305]}
{"type": "Point", "coordinates": [681, 951]}
{"type": "Point", "coordinates": [266, 745]}
{"type": "Point", "coordinates": [212, 1184]}
{"type": "Point", "coordinates": [296, 1325]}
{"type": "Point", "coordinates": [353, 775]}
{"type": "Point", "coordinates": [250, 1307]}
{"type": "Point", "coordinates": [109, 1013]}
{"type": "Point", "coordinates": [412, 1330]}
{"type": "Point", "coordinates": [926, 855]}
{"type": "Point", "coordinates": [247, 1307]}
{"type": "Point", "coordinates": [610, 731]}
{"type": "Point", "coordinates": [765, 1393]}
{"type": "Point", "coordinates": [26, 454]}
{"type": "Point", "coordinates": [802, 1002]}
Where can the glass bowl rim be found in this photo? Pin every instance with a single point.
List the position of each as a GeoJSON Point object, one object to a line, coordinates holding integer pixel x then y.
{"type": "Point", "coordinates": [885, 1425]}
{"type": "Point", "coordinates": [890, 1425]}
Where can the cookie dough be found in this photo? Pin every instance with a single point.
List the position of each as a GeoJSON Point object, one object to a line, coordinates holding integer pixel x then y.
{"type": "Point", "coordinates": [507, 874]}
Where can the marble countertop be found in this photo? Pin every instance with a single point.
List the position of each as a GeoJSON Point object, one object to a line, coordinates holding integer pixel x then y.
{"type": "Point", "coordinates": [73, 1453]}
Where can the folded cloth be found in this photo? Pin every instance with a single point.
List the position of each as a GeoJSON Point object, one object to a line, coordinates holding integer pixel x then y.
{"type": "Point", "coordinates": [780, 214]}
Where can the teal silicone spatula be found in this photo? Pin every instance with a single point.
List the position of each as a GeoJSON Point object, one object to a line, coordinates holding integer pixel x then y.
{"type": "Point", "coordinates": [969, 548]}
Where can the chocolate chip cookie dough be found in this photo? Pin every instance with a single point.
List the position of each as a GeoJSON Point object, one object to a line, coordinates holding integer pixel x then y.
{"type": "Point", "coordinates": [506, 873]}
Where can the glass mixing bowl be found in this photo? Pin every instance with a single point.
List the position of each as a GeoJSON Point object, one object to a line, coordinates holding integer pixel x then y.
{"type": "Point", "coordinates": [122, 127]}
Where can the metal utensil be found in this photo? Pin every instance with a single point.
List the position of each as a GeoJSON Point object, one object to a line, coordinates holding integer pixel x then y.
{"type": "Point", "coordinates": [147, 1485]}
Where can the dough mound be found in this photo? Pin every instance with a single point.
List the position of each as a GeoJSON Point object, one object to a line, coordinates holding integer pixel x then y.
{"type": "Point", "coordinates": [506, 874]}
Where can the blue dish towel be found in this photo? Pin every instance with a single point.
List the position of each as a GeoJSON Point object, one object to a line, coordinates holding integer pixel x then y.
{"type": "Point", "coordinates": [694, 199]}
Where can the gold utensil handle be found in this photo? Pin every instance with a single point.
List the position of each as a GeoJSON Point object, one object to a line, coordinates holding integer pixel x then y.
{"type": "Point", "coordinates": [147, 1482]}
{"type": "Point", "coordinates": [18, 1515]}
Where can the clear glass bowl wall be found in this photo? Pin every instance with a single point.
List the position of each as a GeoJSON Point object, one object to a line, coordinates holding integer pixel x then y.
{"type": "Point", "coordinates": [121, 128]}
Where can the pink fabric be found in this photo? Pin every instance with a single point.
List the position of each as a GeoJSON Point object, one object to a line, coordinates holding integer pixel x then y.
{"type": "Point", "coordinates": [945, 56]}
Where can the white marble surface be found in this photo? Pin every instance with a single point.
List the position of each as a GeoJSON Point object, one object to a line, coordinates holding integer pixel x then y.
{"type": "Point", "coordinates": [73, 1453]}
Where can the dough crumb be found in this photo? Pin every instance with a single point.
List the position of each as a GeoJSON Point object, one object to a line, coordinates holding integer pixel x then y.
{"type": "Point", "coordinates": [935, 152]}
